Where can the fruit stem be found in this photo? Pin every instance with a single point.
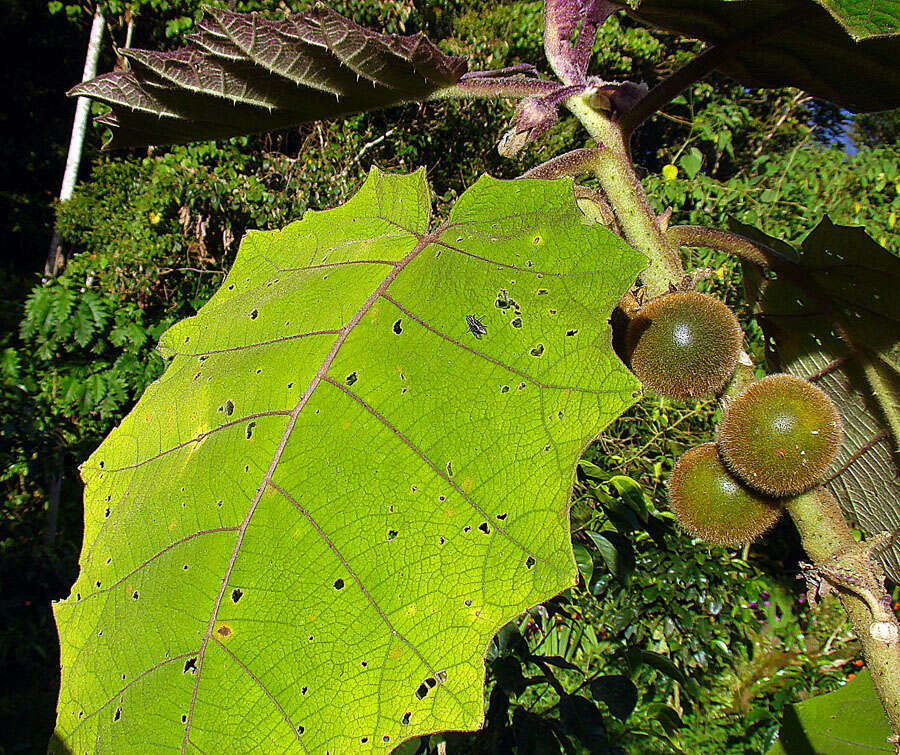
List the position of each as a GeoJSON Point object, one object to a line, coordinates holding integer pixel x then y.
{"type": "Point", "coordinates": [849, 568]}
{"type": "Point", "coordinates": [626, 195]}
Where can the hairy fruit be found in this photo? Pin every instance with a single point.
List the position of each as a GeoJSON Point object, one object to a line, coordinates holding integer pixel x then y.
{"type": "Point", "coordinates": [710, 503]}
{"type": "Point", "coordinates": [684, 344]}
{"type": "Point", "coordinates": [779, 435]}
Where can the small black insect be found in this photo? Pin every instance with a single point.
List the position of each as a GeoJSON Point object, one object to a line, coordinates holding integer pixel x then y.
{"type": "Point", "coordinates": [478, 330]}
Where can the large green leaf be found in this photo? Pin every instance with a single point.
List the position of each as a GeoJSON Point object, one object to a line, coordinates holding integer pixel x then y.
{"type": "Point", "coordinates": [242, 73]}
{"type": "Point", "coordinates": [307, 531]}
{"type": "Point", "coordinates": [848, 721]}
{"type": "Point", "coordinates": [798, 43]}
{"type": "Point", "coordinates": [854, 288]}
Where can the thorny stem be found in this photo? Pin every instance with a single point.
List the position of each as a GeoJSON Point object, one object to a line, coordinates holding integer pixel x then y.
{"type": "Point", "coordinates": [848, 567]}
{"type": "Point", "coordinates": [626, 195]}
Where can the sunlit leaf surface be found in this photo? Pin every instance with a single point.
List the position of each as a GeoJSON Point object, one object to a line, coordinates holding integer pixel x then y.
{"type": "Point", "coordinates": [305, 534]}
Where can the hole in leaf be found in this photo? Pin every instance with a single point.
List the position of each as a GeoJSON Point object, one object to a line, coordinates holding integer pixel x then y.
{"type": "Point", "coordinates": [529, 263]}
{"type": "Point", "coordinates": [303, 690]}
{"type": "Point", "coordinates": [529, 562]}
{"type": "Point", "coordinates": [398, 327]}
{"type": "Point", "coordinates": [520, 386]}
{"type": "Point", "coordinates": [441, 540]}
{"type": "Point", "coordinates": [118, 714]}
{"type": "Point", "coordinates": [537, 350]}
{"type": "Point", "coordinates": [484, 528]}
{"type": "Point", "coordinates": [228, 408]}
{"type": "Point", "coordinates": [190, 665]}
{"type": "Point", "coordinates": [449, 469]}
{"type": "Point", "coordinates": [351, 378]}
{"type": "Point", "coordinates": [406, 717]}
{"type": "Point", "coordinates": [516, 322]}
{"type": "Point", "coordinates": [300, 729]}
{"type": "Point", "coordinates": [236, 594]}
{"type": "Point", "coordinates": [442, 498]}
{"type": "Point", "coordinates": [385, 738]}
{"type": "Point", "coordinates": [135, 595]}
{"type": "Point", "coordinates": [502, 516]}
{"type": "Point", "coordinates": [364, 664]}
{"type": "Point", "coordinates": [254, 314]}
{"type": "Point", "coordinates": [392, 534]}
{"type": "Point", "coordinates": [466, 528]}
{"type": "Point", "coordinates": [338, 584]}
{"type": "Point", "coordinates": [184, 719]}
{"type": "Point", "coordinates": [542, 292]}
{"type": "Point", "coordinates": [431, 682]}
{"type": "Point", "coordinates": [441, 675]}
{"type": "Point", "coordinates": [552, 311]}
{"type": "Point", "coordinates": [363, 739]}
{"type": "Point", "coordinates": [571, 332]}
{"type": "Point", "coordinates": [102, 464]}
{"type": "Point", "coordinates": [106, 513]}
{"type": "Point", "coordinates": [467, 602]}
{"type": "Point", "coordinates": [310, 638]}
{"type": "Point", "coordinates": [249, 430]}
{"type": "Point", "coordinates": [504, 389]}
{"type": "Point", "coordinates": [422, 691]}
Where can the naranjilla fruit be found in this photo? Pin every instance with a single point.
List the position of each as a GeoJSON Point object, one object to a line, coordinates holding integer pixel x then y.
{"type": "Point", "coordinates": [709, 503]}
{"type": "Point", "coordinates": [684, 344]}
{"type": "Point", "coordinates": [779, 435]}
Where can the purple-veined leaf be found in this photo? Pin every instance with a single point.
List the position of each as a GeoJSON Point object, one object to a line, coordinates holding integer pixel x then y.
{"type": "Point", "coordinates": [242, 73]}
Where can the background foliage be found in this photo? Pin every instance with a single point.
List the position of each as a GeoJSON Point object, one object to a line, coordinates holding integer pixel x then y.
{"type": "Point", "coordinates": [712, 641]}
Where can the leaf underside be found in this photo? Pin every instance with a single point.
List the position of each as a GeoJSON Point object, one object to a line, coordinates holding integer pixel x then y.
{"type": "Point", "coordinates": [798, 43]}
{"type": "Point", "coordinates": [859, 280]}
{"type": "Point", "coordinates": [242, 73]}
{"type": "Point", "coordinates": [848, 721]}
{"type": "Point", "coordinates": [305, 534]}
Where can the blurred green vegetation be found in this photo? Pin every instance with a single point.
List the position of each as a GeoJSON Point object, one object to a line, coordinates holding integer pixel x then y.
{"type": "Point", "coordinates": [669, 645]}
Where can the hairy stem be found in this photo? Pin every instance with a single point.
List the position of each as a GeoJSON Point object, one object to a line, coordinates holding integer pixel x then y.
{"type": "Point", "coordinates": [730, 243]}
{"type": "Point", "coordinates": [494, 86]}
{"type": "Point", "coordinates": [626, 195]}
{"type": "Point", "coordinates": [829, 543]}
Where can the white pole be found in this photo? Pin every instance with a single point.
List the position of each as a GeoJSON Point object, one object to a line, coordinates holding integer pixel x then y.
{"type": "Point", "coordinates": [76, 142]}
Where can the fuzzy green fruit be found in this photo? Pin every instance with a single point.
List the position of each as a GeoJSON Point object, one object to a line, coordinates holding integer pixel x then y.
{"type": "Point", "coordinates": [780, 435]}
{"type": "Point", "coordinates": [709, 503]}
{"type": "Point", "coordinates": [684, 344]}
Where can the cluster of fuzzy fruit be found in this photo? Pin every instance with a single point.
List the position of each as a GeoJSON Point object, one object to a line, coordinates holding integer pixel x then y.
{"type": "Point", "coordinates": [777, 438]}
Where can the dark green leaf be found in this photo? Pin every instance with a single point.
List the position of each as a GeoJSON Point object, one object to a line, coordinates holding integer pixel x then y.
{"type": "Point", "coordinates": [617, 553]}
{"type": "Point", "coordinates": [507, 671]}
{"type": "Point", "coordinates": [664, 665]}
{"type": "Point", "coordinates": [618, 692]}
{"type": "Point", "coordinates": [667, 716]}
{"type": "Point", "coordinates": [532, 734]}
{"type": "Point", "coordinates": [583, 719]}
{"type": "Point", "coordinates": [848, 721]}
{"type": "Point", "coordinates": [797, 43]}
{"type": "Point", "coordinates": [584, 562]}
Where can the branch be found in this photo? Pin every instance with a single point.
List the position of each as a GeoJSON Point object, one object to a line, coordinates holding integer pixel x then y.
{"type": "Point", "coordinates": [848, 568]}
{"type": "Point", "coordinates": [669, 88]}
{"type": "Point", "coordinates": [706, 62]}
{"type": "Point", "coordinates": [731, 243]}
{"type": "Point", "coordinates": [496, 86]}
{"type": "Point", "coordinates": [574, 163]}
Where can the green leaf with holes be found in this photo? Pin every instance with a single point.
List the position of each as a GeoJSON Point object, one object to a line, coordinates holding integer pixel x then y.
{"type": "Point", "coordinates": [305, 534]}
